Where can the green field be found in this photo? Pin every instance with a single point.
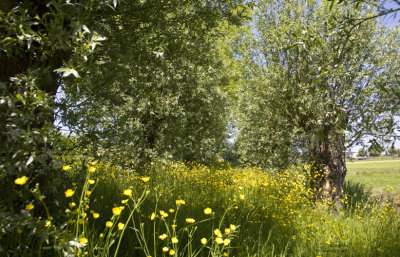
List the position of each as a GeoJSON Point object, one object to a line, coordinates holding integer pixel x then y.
{"type": "Point", "coordinates": [382, 175]}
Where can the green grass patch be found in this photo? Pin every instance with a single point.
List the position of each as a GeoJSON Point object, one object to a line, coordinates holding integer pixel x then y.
{"type": "Point", "coordinates": [382, 175]}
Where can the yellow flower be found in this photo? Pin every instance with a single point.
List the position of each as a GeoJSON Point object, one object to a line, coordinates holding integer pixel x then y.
{"type": "Point", "coordinates": [88, 193]}
{"type": "Point", "coordinates": [121, 226]}
{"type": "Point", "coordinates": [117, 210]}
{"type": "Point", "coordinates": [96, 215]}
{"type": "Point", "coordinates": [19, 230]}
{"type": "Point", "coordinates": [69, 193]}
{"type": "Point", "coordinates": [92, 169]}
{"type": "Point", "coordinates": [145, 179]}
{"type": "Point", "coordinates": [20, 181]}
{"type": "Point", "coordinates": [225, 254]}
{"type": "Point", "coordinates": [163, 214]}
{"type": "Point", "coordinates": [48, 223]}
{"type": "Point", "coordinates": [180, 202]}
{"type": "Point", "coordinates": [84, 214]}
{"type": "Point", "coordinates": [217, 232]}
{"type": "Point", "coordinates": [163, 236]}
{"type": "Point", "coordinates": [203, 240]}
{"type": "Point", "coordinates": [128, 192]}
{"type": "Point", "coordinates": [227, 242]}
{"type": "Point", "coordinates": [171, 252]}
{"type": "Point", "coordinates": [124, 201]}
{"type": "Point", "coordinates": [109, 224]}
{"type": "Point", "coordinates": [227, 231]}
{"type": "Point", "coordinates": [91, 181]}
{"type": "Point", "coordinates": [72, 205]}
{"type": "Point", "coordinates": [232, 227]}
{"type": "Point", "coordinates": [219, 240]}
{"type": "Point", "coordinates": [190, 220]}
{"type": "Point", "coordinates": [83, 240]}
{"type": "Point", "coordinates": [66, 167]}
{"type": "Point", "coordinates": [241, 196]}
{"type": "Point", "coordinates": [174, 240]}
{"type": "Point", "coordinates": [207, 211]}
{"type": "Point", "coordinates": [29, 207]}
{"type": "Point", "coordinates": [174, 225]}
{"type": "Point", "coordinates": [165, 249]}
{"type": "Point", "coordinates": [153, 216]}
{"type": "Point", "coordinates": [171, 210]}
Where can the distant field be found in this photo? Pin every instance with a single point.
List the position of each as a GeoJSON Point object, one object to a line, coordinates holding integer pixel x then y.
{"type": "Point", "coordinates": [379, 174]}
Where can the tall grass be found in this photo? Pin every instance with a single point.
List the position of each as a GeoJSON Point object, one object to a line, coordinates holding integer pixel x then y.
{"type": "Point", "coordinates": [194, 210]}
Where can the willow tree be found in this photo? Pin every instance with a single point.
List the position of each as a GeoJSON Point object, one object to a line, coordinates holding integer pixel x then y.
{"type": "Point", "coordinates": [316, 82]}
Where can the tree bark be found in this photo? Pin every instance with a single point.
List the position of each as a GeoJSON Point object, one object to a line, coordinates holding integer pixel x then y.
{"type": "Point", "coordinates": [333, 162]}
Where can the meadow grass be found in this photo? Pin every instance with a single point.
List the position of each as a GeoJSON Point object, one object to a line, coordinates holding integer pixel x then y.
{"type": "Point", "coordinates": [382, 175]}
{"type": "Point", "coordinates": [176, 209]}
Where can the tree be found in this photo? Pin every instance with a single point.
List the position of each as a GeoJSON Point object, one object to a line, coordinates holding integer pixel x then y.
{"type": "Point", "coordinates": [392, 150]}
{"type": "Point", "coordinates": [362, 152]}
{"type": "Point", "coordinates": [310, 83]}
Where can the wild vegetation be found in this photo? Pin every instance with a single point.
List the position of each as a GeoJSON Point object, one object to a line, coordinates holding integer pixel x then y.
{"type": "Point", "coordinates": [115, 118]}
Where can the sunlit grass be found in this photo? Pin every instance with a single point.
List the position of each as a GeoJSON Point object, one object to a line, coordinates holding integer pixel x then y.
{"type": "Point", "coordinates": [176, 209]}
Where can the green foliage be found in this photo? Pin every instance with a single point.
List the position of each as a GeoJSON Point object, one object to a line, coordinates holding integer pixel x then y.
{"type": "Point", "coordinates": [312, 79]}
{"type": "Point", "coordinates": [362, 152]}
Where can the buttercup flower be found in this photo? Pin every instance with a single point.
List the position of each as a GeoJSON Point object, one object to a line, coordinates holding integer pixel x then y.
{"type": "Point", "coordinates": [217, 232]}
{"type": "Point", "coordinates": [174, 240]}
{"type": "Point", "coordinates": [91, 181]}
{"type": "Point", "coordinates": [20, 181]}
{"type": "Point", "coordinates": [207, 211]}
{"type": "Point", "coordinates": [171, 252]}
{"type": "Point", "coordinates": [227, 242]}
{"type": "Point", "coordinates": [109, 224]}
{"type": "Point", "coordinates": [165, 249]}
{"type": "Point", "coordinates": [153, 216]}
{"type": "Point", "coordinates": [241, 196]}
{"type": "Point", "coordinates": [145, 179]}
{"type": "Point", "coordinates": [219, 240]}
{"type": "Point", "coordinates": [203, 240]}
{"type": "Point", "coordinates": [29, 207]}
{"type": "Point", "coordinates": [163, 214]}
{"type": "Point", "coordinates": [96, 215]}
{"type": "Point", "coordinates": [121, 226]}
{"type": "Point", "coordinates": [92, 169]}
{"type": "Point", "coordinates": [180, 202]}
{"type": "Point", "coordinates": [83, 240]}
{"type": "Point", "coordinates": [117, 210]}
{"type": "Point", "coordinates": [69, 193]}
{"type": "Point", "coordinates": [232, 227]}
{"type": "Point", "coordinates": [190, 220]}
{"type": "Point", "coordinates": [128, 192]}
{"type": "Point", "coordinates": [66, 167]}
{"type": "Point", "coordinates": [163, 236]}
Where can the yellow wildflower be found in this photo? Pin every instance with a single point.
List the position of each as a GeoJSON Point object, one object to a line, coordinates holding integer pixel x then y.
{"type": "Point", "coordinates": [217, 232]}
{"type": "Point", "coordinates": [109, 224]}
{"type": "Point", "coordinates": [171, 252]}
{"type": "Point", "coordinates": [92, 169]}
{"type": "Point", "coordinates": [153, 216]}
{"type": "Point", "coordinates": [190, 220]}
{"type": "Point", "coordinates": [96, 215]}
{"type": "Point", "coordinates": [121, 226]}
{"type": "Point", "coordinates": [241, 196]}
{"type": "Point", "coordinates": [20, 181]}
{"type": "Point", "coordinates": [83, 240]}
{"type": "Point", "coordinates": [203, 240]}
{"type": "Point", "coordinates": [128, 192]}
{"type": "Point", "coordinates": [48, 223]}
{"type": "Point", "coordinates": [117, 210]}
{"type": "Point", "coordinates": [219, 240]}
{"type": "Point", "coordinates": [88, 193]}
{"type": "Point", "coordinates": [163, 236]}
{"type": "Point", "coordinates": [72, 205]}
{"type": "Point", "coordinates": [124, 201]}
{"type": "Point", "coordinates": [163, 214]}
{"type": "Point", "coordinates": [145, 179]}
{"type": "Point", "coordinates": [165, 249]}
{"type": "Point", "coordinates": [227, 231]}
{"type": "Point", "coordinates": [171, 210]}
{"type": "Point", "coordinates": [91, 181]}
{"type": "Point", "coordinates": [207, 211]}
{"type": "Point", "coordinates": [232, 227]}
{"type": "Point", "coordinates": [29, 207]}
{"type": "Point", "coordinates": [180, 202]}
{"type": "Point", "coordinates": [69, 193]}
{"type": "Point", "coordinates": [174, 240]}
{"type": "Point", "coordinates": [66, 167]}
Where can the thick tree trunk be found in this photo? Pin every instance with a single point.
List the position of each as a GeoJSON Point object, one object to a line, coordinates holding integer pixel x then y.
{"type": "Point", "coordinates": [333, 162]}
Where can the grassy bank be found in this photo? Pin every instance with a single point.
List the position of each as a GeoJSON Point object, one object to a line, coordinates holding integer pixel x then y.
{"type": "Point", "coordinates": [193, 210]}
